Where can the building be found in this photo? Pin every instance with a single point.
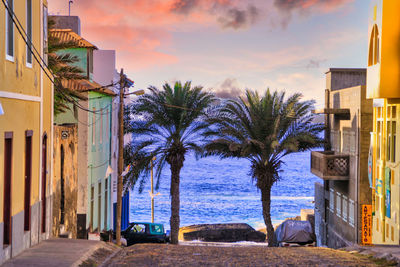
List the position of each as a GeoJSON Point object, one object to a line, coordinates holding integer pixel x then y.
{"type": "Point", "coordinates": [343, 164]}
{"type": "Point", "coordinates": [65, 185]}
{"type": "Point", "coordinates": [105, 73]}
{"type": "Point", "coordinates": [93, 120]}
{"type": "Point", "coordinates": [26, 134]}
{"type": "Point", "coordinates": [383, 87]}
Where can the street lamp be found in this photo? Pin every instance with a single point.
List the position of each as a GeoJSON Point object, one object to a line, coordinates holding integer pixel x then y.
{"type": "Point", "coordinates": [69, 7]}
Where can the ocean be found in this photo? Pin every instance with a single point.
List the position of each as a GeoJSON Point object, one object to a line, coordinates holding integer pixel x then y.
{"type": "Point", "coordinates": [222, 191]}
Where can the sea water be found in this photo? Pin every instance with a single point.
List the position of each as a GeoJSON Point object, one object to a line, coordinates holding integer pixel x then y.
{"type": "Point", "coordinates": [217, 190]}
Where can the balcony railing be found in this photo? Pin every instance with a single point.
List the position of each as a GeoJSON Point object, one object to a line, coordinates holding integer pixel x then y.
{"type": "Point", "coordinates": [330, 166]}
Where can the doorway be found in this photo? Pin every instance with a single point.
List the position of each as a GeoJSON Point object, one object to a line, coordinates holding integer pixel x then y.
{"type": "Point", "coordinates": [28, 180]}
{"type": "Point", "coordinates": [44, 180]}
{"type": "Point", "coordinates": [62, 185]}
{"type": "Point", "coordinates": [7, 187]}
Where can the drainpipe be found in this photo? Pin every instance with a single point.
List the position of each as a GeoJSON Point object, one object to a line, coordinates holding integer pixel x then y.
{"type": "Point", "coordinates": [356, 223]}
{"type": "Point", "coordinates": [327, 147]}
{"type": "Point", "coordinates": [327, 132]}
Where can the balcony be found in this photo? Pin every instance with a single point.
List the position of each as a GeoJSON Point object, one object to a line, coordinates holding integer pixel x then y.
{"type": "Point", "coordinates": [330, 166]}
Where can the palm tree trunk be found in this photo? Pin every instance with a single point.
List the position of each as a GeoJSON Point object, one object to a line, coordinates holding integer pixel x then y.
{"type": "Point", "coordinates": [175, 202]}
{"type": "Point", "coordinates": [266, 206]}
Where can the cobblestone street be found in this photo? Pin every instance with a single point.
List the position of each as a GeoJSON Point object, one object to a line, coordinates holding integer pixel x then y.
{"type": "Point", "coordinates": [170, 255]}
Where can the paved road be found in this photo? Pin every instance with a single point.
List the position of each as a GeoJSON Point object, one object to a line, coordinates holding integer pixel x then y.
{"type": "Point", "coordinates": [55, 252]}
{"type": "Point", "coordinates": [170, 255]}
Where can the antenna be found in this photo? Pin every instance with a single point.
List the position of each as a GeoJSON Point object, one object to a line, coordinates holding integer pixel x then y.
{"type": "Point", "coordinates": [69, 7]}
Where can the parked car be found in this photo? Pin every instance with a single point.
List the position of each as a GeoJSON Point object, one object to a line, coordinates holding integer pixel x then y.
{"type": "Point", "coordinates": [295, 233]}
{"type": "Point", "coordinates": [144, 232]}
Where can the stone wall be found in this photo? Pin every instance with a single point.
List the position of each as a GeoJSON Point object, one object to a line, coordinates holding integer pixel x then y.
{"type": "Point", "coordinates": [65, 180]}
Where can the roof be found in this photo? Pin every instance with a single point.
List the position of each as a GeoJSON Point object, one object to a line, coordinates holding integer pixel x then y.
{"type": "Point", "coordinates": [346, 70]}
{"type": "Point", "coordinates": [86, 86]}
{"type": "Point", "coordinates": [67, 35]}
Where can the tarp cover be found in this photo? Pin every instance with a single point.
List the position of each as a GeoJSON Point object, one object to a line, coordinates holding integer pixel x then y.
{"type": "Point", "coordinates": [294, 232]}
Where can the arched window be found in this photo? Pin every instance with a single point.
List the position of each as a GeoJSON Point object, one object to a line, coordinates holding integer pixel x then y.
{"type": "Point", "coordinates": [373, 57]}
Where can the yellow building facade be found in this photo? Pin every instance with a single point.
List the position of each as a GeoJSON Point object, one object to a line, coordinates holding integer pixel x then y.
{"type": "Point", "coordinates": [383, 86]}
{"type": "Point", "coordinates": [26, 136]}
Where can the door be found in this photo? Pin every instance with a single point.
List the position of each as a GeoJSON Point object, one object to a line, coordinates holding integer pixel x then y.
{"type": "Point", "coordinates": [28, 180]}
{"type": "Point", "coordinates": [62, 182]}
{"type": "Point", "coordinates": [7, 187]}
{"type": "Point", "coordinates": [44, 175]}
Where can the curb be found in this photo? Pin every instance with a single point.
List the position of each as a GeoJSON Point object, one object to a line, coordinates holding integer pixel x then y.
{"type": "Point", "coordinates": [87, 255]}
{"type": "Point", "coordinates": [370, 252]}
{"type": "Point", "coordinates": [109, 258]}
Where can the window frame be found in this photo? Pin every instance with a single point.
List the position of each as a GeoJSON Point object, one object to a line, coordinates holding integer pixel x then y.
{"type": "Point", "coordinates": [351, 213]}
{"type": "Point", "coordinates": [345, 209]}
{"type": "Point", "coordinates": [29, 30]}
{"type": "Point", "coordinates": [332, 200]}
{"type": "Point", "coordinates": [338, 204]}
{"type": "Point", "coordinates": [9, 57]}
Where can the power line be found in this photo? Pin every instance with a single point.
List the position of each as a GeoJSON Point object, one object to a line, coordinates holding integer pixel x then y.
{"type": "Point", "coordinates": [36, 54]}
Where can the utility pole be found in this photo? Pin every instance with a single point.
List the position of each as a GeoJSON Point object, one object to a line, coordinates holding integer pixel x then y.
{"type": "Point", "coordinates": [120, 155]}
{"type": "Point", "coordinates": [152, 192]}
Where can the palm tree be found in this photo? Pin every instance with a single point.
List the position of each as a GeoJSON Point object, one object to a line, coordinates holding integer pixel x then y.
{"type": "Point", "coordinates": [264, 130]}
{"type": "Point", "coordinates": [173, 120]}
{"type": "Point", "coordinates": [61, 65]}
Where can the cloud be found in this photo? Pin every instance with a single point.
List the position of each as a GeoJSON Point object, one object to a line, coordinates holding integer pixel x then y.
{"type": "Point", "coordinates": [305, 7]}
{"type": "Point", "coordinates": [238, 18]}
{"type": "Point", "coordinates": [142, 31]}
{"type": "Point", "coordinates": [315, 63]}
{"type": "Point", "coordinates": [326, 5]}
{"type": "Point", "coordinates": [229, 89]}
{"type": "Point", "coordinates": [228, 13]}
{"type": "Point", "coordinates": [184, 6]}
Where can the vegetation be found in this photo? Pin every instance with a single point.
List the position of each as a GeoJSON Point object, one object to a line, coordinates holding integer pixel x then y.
{"type": "Point", "coordinates": [61, 65]}
{"type": "Point", "coordinates": [173, 120]}
{"type": "Point", "coordinates": [264, 130]}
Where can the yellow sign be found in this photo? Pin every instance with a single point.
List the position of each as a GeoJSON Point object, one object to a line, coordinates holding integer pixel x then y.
{"type": "Point", "coordinates": [375, 12]}
{"type": "Point", "coordinates": [366, 215]}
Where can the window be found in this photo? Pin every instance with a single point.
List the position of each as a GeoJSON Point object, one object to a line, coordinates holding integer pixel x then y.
{"type": "Point", "coordinates": [28, 178]}
{"type": "Point", "coordinates": [94, 127]}
{"type": "Point", "coordinates": [8, 143]}
{"type": "Point", "coordinates": [351, 212]}
{"type": "Point", "coordinates": [45, 33]}
{"type": "Point", "coordinates": [391, 133]}
{"type": "Point", "coordinates": [29, 32]}
{"type": "Point", "coordinates": [331, 200]}
{"type": "Point", "coordinates": [338, 205]}
{"type": "Point", "coordinates": [373, 57]}
{"type": "Point", "coordinates": [379, 130]}
{"type": "Point", "coordinates": [107, 124]}
{"type": "Point", "coordinates": [10, 31]}
{"type": "Point", "coordinates": [101, 126]}
{"type": "Point", "coordinates": [344, 209]}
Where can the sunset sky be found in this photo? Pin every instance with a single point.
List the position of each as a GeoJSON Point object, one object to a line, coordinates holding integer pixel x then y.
{"type": "Point", "coordinates": [228, 45]}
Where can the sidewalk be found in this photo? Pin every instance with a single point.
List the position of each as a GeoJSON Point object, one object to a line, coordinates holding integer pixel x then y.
{"type": "Point", "coordinates": [387, 252]}
{"type": "Point", "coordinates": [58, 252]}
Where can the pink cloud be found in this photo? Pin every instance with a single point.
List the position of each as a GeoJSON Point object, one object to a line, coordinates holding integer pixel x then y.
{"type": "Point", "coordinates": [141, 30]}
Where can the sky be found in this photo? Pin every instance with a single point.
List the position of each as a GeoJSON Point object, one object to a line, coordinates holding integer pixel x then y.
{"type": "Point", "coordinates": [228, 46]}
